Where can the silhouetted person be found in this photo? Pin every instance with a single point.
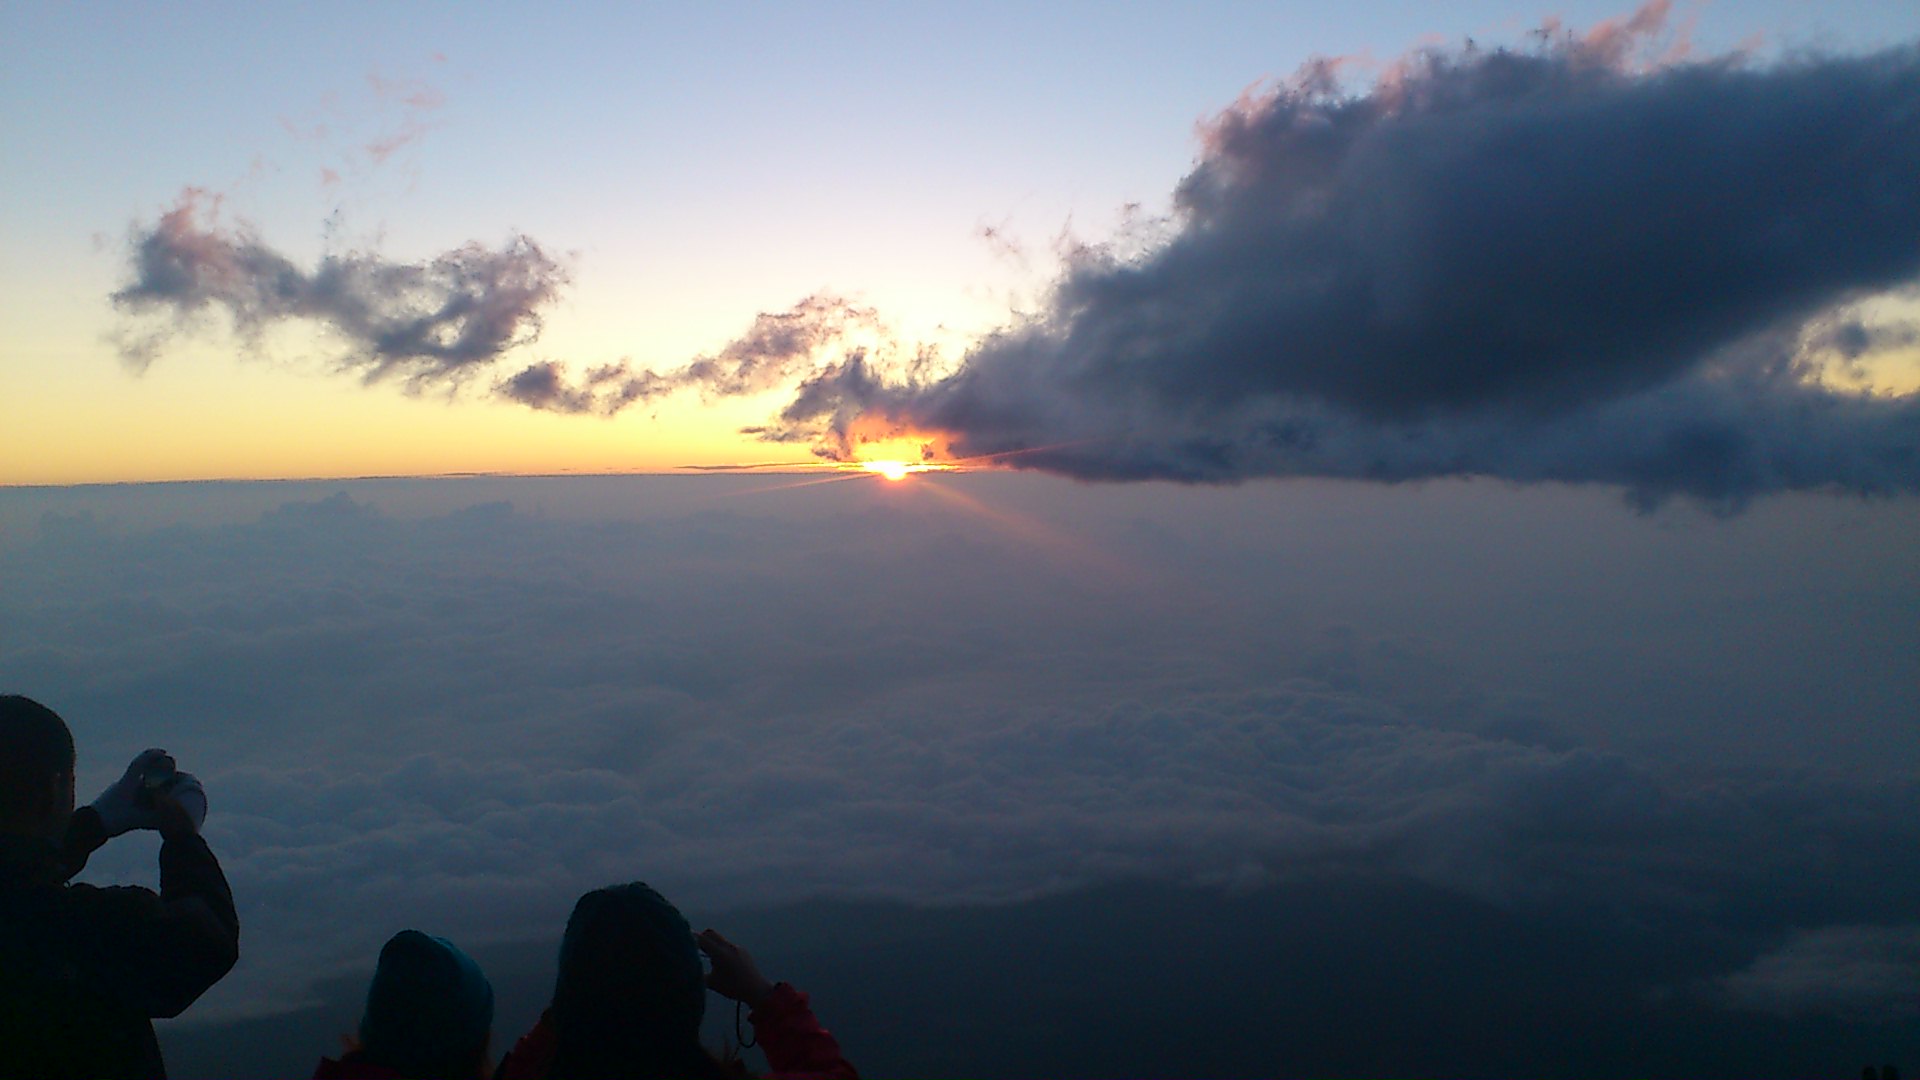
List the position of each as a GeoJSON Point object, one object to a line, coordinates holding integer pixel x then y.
{"type": "Point", "coordinates": [83, 970]}
{"type": "Point", "coordinates": [429, 1016]}
{"type": "Point", "coordinates": [630, 995]}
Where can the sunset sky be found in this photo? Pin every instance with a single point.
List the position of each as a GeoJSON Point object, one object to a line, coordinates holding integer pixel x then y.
{"type": "Point", "coordinates": [687, 169]}
{"type": "Point", "coordinates": [1423, 556]}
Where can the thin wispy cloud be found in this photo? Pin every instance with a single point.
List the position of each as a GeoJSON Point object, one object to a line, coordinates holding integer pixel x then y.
{"type": "Point", "coordinates": [414, 99]}
{"type": "Point", "coordinates": [363, 131]}
{"type": "Point", "coordinates": [777, 349]}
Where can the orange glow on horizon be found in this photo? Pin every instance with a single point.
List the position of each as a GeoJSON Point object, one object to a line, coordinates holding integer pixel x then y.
{"type": "Point", "coordinates": [882, 449]}
{"type": "Point", "coordinates": [892, 470]}
{"type": "Point", "coordinates": [876, 438]}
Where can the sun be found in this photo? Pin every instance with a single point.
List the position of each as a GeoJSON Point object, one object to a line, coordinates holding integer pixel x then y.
{"type": "Point", "coordinates": [892, 470]}
{"type": "Point", "coordinates": [894, 455]}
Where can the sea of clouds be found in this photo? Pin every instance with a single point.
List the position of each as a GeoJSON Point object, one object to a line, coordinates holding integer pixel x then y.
{"type": "Point", "coordinates": [458, 704]}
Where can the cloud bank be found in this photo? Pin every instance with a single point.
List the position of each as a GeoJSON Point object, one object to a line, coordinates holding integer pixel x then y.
{"type": "Point", "coordinates": [1559, 263]}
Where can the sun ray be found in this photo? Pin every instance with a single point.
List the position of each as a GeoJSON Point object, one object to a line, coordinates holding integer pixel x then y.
{"type": "Point", "coordinates": [1068, 548]}
{"type": "Point", "coordinates": [839, 476]}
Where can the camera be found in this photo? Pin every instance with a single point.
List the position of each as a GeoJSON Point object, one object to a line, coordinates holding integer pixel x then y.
{"type": "Point", "coordinates": [156, 778]}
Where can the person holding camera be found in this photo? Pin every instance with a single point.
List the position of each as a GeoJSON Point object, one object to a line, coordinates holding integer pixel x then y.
{"type": "Point", "coordinates": [84, 970]}
{"type": "Point", "coordinates": [631, 992]}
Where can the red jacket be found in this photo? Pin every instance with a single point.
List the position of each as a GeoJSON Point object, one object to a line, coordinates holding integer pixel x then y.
{"type": "Point", "coordinates": [784, 1027]}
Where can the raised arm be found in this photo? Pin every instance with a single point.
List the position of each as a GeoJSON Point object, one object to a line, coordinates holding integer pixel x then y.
{"type": "Point", "coordinates": [162, 951]}
{"type": "Point", "coordinates": [796, 1045]}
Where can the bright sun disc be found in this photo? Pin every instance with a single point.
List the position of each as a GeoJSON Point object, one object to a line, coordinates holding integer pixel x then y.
{"type": "Point", "coordinates": [892, 470]}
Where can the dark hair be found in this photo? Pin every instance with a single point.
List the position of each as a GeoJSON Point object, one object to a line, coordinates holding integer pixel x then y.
{"type": "Point", "coordinates": [35, 747]}
{"type": "Point", "coordinates": [631, 991]}
{"type": "Point", "coordinates": [429, 1009]}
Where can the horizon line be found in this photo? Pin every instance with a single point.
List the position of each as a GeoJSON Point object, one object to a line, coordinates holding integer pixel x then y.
{"type": "Point", "coordinates": [689, 472]}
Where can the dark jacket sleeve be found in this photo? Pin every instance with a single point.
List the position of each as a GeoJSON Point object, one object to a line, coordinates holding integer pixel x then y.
{"type": "Point", "coordinates": [84, 836]}
{"type": "Point", "coordinates": [163, 951]}
{"type": "Point", "coordinates": [797, 1047]}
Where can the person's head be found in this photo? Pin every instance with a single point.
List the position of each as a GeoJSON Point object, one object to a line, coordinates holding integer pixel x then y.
{"type": "Point", "coordinates": [429, 1010]}
{"type": "Point", "coordinates": [631, 990]}
{"type": "Point", "coordinates": [36, 768]}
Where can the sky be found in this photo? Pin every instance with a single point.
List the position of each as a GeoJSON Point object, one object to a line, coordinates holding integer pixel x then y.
{"type": "Point", "coordinates": [942, 182]}
{"type": "Point", "coordinates": [1431, 491]}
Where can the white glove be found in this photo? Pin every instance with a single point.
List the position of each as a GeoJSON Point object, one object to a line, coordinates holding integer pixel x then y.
{"type": "Point", "coordinates": [186, 791]}
{"type": "Point", "coordinates": [123, 807]}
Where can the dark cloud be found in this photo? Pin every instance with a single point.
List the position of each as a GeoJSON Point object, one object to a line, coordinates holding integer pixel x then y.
{"type": "Point", "coordinates": [773, 352]}
{"type": "Point", "coordinates": [425, 323]}
{"type": "Point", "coordinates": [1551, 263]}
{"type": "Point", "coordinates": [1851, 337]}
